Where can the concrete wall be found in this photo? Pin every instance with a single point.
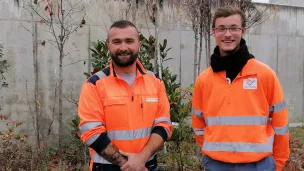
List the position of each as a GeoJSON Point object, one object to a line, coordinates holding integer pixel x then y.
{"type": "Point", "coordinates": [278, 42]}
{"type": "Point", "coordinates": [290, 2]}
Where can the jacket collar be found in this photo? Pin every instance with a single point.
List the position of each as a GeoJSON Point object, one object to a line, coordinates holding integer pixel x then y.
{"type": "Point", "coordinates": [140, 70]}
{"type": "Point", "coordinates": [232, 63]}
{"type": "Point", "coordinates": [235, 60]}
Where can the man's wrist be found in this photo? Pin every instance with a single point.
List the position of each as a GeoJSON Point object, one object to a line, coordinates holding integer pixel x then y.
{"type": "Point", "coordinates": [145, 154]}
{"type": "Point", "coordinates": [123, 161]}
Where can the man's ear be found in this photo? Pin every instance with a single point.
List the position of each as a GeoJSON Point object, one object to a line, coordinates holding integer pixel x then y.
{"type": "Point", "coordinates": [213, 32]}
{"type": "Point", "coordinates": [140, 43]}
{"type": "Point", "coordinates": [107, 43]}
{"type": "Point", "coordinates": [243, 31]}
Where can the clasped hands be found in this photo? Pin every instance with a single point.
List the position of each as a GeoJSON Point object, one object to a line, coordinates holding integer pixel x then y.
{"type": "Point", "coordinates": [135, 162]}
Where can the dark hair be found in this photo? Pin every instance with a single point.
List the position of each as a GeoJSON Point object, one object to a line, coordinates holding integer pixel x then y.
{"type": "Point", "coordinates": [228, 11]}
{"type": "Point", "coordinates": [123, 24]}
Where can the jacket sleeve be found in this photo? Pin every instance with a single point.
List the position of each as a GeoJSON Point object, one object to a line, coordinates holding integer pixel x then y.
{"type": "Point", "coordinates": [162, 118]}
{"type": "Point", "coordinates": [279, 121]}
{"type": "Point", "coordinates": [92, 123]}
{"type": "Point", "coordinates": [197, 114]}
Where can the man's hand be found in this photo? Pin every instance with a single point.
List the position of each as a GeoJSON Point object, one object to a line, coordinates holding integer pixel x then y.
{"type": "Point", "coordinates": [136, 162]}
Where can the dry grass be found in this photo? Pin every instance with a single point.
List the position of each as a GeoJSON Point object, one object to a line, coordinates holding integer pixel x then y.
{"type": "Point", "coordinates": [296, 162]}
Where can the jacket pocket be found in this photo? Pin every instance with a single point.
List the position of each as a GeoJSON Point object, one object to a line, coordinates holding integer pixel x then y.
{"type": "Point", "coordinates": [149, 109]}
{"type": "Point", "coordinates": [116, 113]}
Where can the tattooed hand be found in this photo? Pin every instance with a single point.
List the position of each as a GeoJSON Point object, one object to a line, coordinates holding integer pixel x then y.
{"type": "Point", "coordinates": [111, 153]}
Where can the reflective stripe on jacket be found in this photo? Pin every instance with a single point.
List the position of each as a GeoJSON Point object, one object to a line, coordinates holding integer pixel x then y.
{"type": "Point", "coordinates": [127, 114]}
{"type": "Point", "coordinates": [244, 121]}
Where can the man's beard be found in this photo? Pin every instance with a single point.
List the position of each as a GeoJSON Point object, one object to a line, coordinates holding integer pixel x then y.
{"type": "Point", "coordinates": [124, 63]}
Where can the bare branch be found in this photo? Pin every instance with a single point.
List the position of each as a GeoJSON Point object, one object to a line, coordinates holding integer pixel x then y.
{"type": "Point", "coordinates": [54, 106]}
{"type": "Point", "coordinates": [108, 14]}
{"type": "Point", "coordinates": [49, 31]}
{"type": "Point", "coordinates": [71, 99]}
{"type": "Point", "coordinates": [83, 60]}
{"type": "Point", "coordinates": [37, 13]}
{"type": "Point", "coordinates": [27, 10]}
{"type": "Point", "coordinates": [128, 10]}
{"type": "Point", "coordinates": [60, 12]}
{"type": "Point", "coordinates": [147, 23]}
{"type": "Point", "coordinates": [29, 104]}
{"type": "Point", "coordinates": [73, 7]}
{"type": "Point", "coordinates": [51, 42]}
{"type": "Point", "coordinates": [72, 19]}
{"type": "Point", "coordinates": [27, 29]}
{"type": "Point", "coordinates": [54, 33]}
{"type": "Point", "coordinates": [77, 11]}
{"type": "Point", "coordinates": [71, 52]}
{"type": "Point", "coordinates": [70, 32]}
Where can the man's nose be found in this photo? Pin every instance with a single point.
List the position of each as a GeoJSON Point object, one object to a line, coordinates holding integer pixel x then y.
{"type": "Point", "coordinates": [227, 33]}
{"type": "Point", "coordinates": [123, 46]}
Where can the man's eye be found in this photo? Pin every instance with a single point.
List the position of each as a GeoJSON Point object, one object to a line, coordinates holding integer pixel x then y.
{"type": "Point", "coordinates": [221, 29]}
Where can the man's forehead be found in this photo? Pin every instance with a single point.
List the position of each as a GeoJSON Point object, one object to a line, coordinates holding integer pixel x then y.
{"type": "Point", "coordinates": [122, 33]}
{"type": "Point", "coordinates": [230, 20]}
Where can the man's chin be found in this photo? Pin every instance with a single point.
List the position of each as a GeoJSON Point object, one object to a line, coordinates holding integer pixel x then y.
{"type": "Point", "coordinates": [126, 57]}
{"type": "Point", "coordinates": [123, 63]}
{"type": "Point", "coordinates": [228, 49]}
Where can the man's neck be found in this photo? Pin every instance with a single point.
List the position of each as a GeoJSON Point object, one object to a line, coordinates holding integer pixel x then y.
{"type": "Point", "coordinates": [223, 53]}
{"type": "Point", "coordinates": [125, 70]}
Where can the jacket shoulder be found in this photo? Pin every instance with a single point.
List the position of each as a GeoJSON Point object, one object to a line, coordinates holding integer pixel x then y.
{"type": "Point", "coordinates": [99, 75]}
{"type": "Point", "coordinates": [205, 74]}
{"type": "Point", "coordinates": [261, 68]}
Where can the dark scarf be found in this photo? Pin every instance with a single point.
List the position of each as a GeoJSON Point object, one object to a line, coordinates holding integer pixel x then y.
{"type": "Point", "coordinates": [232, 63]}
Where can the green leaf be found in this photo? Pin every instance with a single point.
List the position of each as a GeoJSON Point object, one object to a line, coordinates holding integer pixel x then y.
{"type": "Point", "coordinates": [168, 49]}
{"type": "Point", "coordinates": [86, 74]}
{"type": "Point", "coordinates": [165, 43]}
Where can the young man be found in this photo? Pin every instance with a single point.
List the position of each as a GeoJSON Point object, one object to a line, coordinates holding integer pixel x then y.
{"type": "Point", "coordinates": [123, 109]}
{"type": "Point", "coordinates": [239, 116]}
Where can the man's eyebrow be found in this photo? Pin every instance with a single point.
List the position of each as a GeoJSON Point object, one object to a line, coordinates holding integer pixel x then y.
{"type": "Point", "coordinates": [116, 39]}
{"type": "Point", "coordinates": [233, 25]}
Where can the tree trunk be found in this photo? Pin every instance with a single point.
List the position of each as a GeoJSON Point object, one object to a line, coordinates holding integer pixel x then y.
{"type": "Point", "coordinates": [35, 64]}
{"type": "Point", "coordinates": [61, 55]}
{"type": "Point", "coordinates": [156, 39]}
{"type": "Point", "coordinates": [206, 48]}
{"type": "Point", "coordinates": [157, 55]}
{"type": "Point", "coordinates": [156, 48]}
{"type": "Point", "coordinates": [195, 51]}
{"type": "Point", "coordinates": [37, 105]}
{"type": "Point", "coordinates": [208, 35]}
{"type": "Point", "coordinates": [133, 11]}
{"type": "Point", "coordinates": [201, 38]}
{"type": "Point", "coordinates": [60, 97]}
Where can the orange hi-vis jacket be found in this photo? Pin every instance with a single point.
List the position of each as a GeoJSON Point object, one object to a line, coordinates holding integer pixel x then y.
{"type": "Point", "coordinates": [108, 106]}
{"type": "Point", "coordinates": [244, 121]}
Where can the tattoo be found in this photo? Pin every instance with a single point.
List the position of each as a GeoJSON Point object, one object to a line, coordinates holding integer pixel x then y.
{"type": "Point", "coordinates": [111, 153]}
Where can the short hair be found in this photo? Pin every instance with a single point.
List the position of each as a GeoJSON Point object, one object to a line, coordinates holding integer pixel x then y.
{"type": "Point", "coordinates": [124, 24]}
{"type": "Point", "coordinates": [228, 11]}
